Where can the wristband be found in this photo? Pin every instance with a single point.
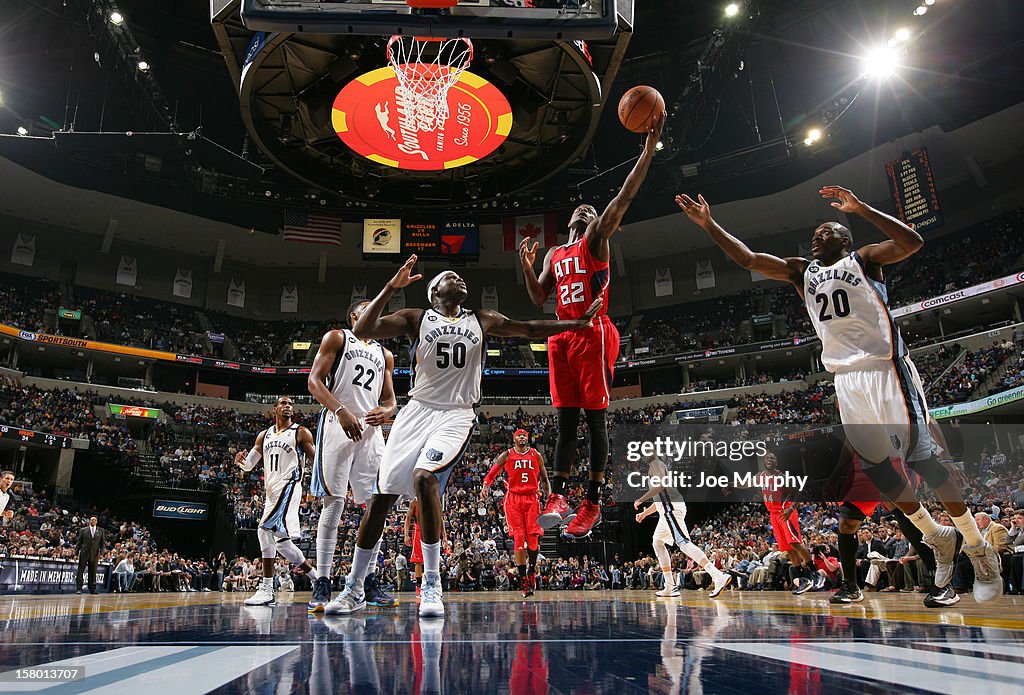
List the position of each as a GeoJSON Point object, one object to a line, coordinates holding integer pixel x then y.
{"type": "Point", "coordinates": [340, 407]}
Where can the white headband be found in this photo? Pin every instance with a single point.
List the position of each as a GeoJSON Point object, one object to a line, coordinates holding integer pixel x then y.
{"type": "Point", "coordinates": [434, 283]}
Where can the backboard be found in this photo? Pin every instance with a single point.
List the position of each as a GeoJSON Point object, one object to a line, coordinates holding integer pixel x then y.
{"type": "Point", "coordinates": [484, 19]}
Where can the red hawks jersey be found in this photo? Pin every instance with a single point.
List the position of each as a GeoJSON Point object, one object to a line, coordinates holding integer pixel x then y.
{"type": "Point", "coordinates": [774, 499]}
{"type": "Point", "coordinates": [579, 280]}
{"type": "Point", "coordinates": [523, 471]}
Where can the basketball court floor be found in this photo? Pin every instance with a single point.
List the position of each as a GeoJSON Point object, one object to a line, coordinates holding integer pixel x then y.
{"type": "Point", "coordinates": [571, 642]}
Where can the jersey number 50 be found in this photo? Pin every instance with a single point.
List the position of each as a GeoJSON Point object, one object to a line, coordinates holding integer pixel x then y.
{"type": "Point", "coordinates": [449, 354]}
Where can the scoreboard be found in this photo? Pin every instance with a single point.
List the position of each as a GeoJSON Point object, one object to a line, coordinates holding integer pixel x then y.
{"type": "Point", "coordinates": [428, 239]}
{"type": "Point", "coordinates": [22, 436]}
{"type": "Point", "coordinates": [913, 190]}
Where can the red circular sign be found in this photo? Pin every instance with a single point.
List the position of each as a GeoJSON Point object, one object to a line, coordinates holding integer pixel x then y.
{"type": "Point", "coordinates": [370, 117]}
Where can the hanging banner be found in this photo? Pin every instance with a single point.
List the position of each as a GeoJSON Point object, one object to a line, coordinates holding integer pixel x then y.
{"type": "Point", "coordinates": [705, 275]}
{"type": "Point", "coordinates": [24, 250]}
{"type": "Point", "coordinates": [289, 299]}
{"type": "Point", "coordinates": [128, 271]}
{"type": "Point", "coordinates": [358, 293]}
{"type": "Point", "coordinates": [913, 189]}
{"type": "Point", "coordinates": [397, 300]}
{"type": "Point", "coordinates": [489, 299]}
{"type": "Point", "coordinates": [236, 293]}
{"type": "Point", "coordinates": [663, 282]}
{"type": "Point", "coordinates": [182, 283]}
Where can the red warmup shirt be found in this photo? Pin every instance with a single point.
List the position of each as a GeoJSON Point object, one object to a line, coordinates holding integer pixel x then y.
{"type": "Point", "coordinates": [579, 280]}
{"type": "Point", "coordinates": [523, 471]}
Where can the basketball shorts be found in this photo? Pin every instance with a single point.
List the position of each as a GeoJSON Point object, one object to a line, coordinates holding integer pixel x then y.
{"type": "Point", "coordinates": [341, 462]}
{"type": "Point", "coordinates": [521, 512]}
{"type": "Point", "coordinates": [416, 556]}
{"type": "Point", "coordinates": [671, 528]}
{"type": "Point", "coordinates": [884, 413]}
{"type": "Point", "coordinates": [423, 438]}
{"type": "Point", "coordinates": [281, 510]}
{"type": "Point", "coordinates": [581, 365]}
{"type": "Point", "coordinates": [787, 533]}
{"type": "Point", "coordinates": [864, 497]}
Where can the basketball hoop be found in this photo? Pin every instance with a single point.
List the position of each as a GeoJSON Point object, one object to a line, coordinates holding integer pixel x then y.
{"type": "Point", "coordinates": [426, 69]}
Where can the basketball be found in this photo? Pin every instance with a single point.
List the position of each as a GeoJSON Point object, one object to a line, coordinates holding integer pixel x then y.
{"type": "Point", "coordinates": [638, 108]}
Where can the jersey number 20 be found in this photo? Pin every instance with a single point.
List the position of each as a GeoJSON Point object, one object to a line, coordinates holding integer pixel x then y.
{"type": "Point", "coordinates": [840, 304]}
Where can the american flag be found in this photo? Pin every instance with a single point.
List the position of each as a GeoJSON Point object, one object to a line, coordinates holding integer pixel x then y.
{"type": "Point", "coordinates": [312, 229]}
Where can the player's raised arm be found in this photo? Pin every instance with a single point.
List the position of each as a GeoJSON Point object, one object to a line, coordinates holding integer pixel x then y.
{"type": "Point", "coordinates": [539, 288]}
{"type": "Point", "coordinates": [388, 403]}
{"type": "Point", "coordinates": [902, 242]}
{"type": "Point", "coordinates": [247, 460]}
{"type": "Point", "coordinates": [495, 323]}
{"type": "Point", "coordinates": [787, 269]}
{"type": "Point", "coordinates": [403, 322]}
{"type": "Point", "coordinates": [493, 474]}
{"type": "Point", "coordinates": [609, 221]}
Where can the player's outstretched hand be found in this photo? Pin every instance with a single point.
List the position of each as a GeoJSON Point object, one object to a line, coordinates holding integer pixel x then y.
{"type": "Point", "coordinates": [654, 134]}
{"type": "Point", "coordinates": [528, 254]}
{"type": "Point", "coordinates": [349, 423]}
{"type": "Point", "coordinates": [483, 493]}
{"type": "Point", "coordinates": [636, 505]}
{"type": "Point", "coordinates": [587, 320]}
{"type": "Point", "coordinates": [698, 210]}
{"type": "Point", "coordinates": [404, 276]}
{"type": "Point", "coordinates": [378, 416]}
{"type": "Point", "coordinates": [240, 456]}
{"type": "Point", "coordinates": [845, 200]}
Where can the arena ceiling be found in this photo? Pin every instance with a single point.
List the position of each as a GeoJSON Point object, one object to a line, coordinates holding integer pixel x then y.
{"type": "Point", "coordinates": [737, 137]}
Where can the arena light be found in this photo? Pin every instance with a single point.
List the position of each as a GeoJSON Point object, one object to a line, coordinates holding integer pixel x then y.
{"type": "Point", "coordinates": [813, 135]}
{"type": "Point", "coordinates": [732, 9]}
{"type": "Point", "coordinates": [659, 146]}
{"type": "Point", "coordinates": [920, 11]}
{"type": "Point", "coordinates": [879, 63]}
{"type": "Point", "coordinates": [143, 66]}
{"type": "Point", "coordinates": [116, 18]}
{"type": "Point", "coordinates": [903, 34]}
{"type": "Point", "coordinates": [22, 130]}
{"type": "Point", "coordinates": [929, 3]}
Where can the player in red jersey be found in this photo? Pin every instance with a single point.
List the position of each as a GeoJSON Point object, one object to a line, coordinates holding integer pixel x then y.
{"type": "Point", "coordinates": [581, 365]}
{"type": "Point", "coordinates": [411, 536]}
{"type": "Point", "coordinates": [524, 467]}
{"type": "Point", "coordinates": [786, 527]}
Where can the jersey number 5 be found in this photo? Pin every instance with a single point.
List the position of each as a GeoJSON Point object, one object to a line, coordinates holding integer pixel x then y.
{"type": "Point", "coordinates": [453, 355]}
{"type": "Point", "coordinates": [571, 293]}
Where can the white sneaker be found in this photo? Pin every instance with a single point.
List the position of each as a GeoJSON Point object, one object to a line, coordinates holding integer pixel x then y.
{"type": "Point", "coordinates": [988, 581]}
{"type": "Point", "coordinates": [348, 601]}
{"type": "Point", "coordinates": [668, 592]}
{"type": "Point", "coordinates": [945, 543]}
{"type": "Point", "coordinates": [430, 598]}
{"type": "Point", "coordinates": [264, 596]}
{"type": "Point", "coordinates": [721, 582]}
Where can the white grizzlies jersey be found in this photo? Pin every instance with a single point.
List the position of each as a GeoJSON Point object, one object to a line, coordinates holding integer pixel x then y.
{"type": "Point", "coordinates": [850, 314]}
{"type": "Point", "coordinates": [281, 461]}
{"type": "Point", "coordinates": [447, 360]}
{"type": "Point", "coordinates": [357, 377]}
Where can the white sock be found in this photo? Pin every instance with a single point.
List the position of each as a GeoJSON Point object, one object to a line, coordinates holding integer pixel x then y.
{"type": "Point", "coordinates": [925, 523]}
{"type": "Point", "coordinates": [969, 527]}
{"type": "Point", "coordinates": [372, 567]}
{"type": "Point", "coordinates": [312, 574]}
{"type": "Point", "coordinates": [360, 563]}
{"type": "Point", "coordinates": [431, 557]}
{"type": "Point", "coordinates": [268, 582]}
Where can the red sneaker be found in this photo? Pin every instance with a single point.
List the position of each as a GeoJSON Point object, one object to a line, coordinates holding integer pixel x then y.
{"type": "Point", "coordinates": [588, 515]}
{"type": "Point", "coordinates": [555, 511]}
{"type": "Point", "coordinates": [533, 581]}
{"type": "Point", "coordinates": [527, 587]}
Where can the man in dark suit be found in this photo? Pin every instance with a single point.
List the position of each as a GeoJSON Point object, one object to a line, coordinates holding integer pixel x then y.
{"type": "Point", "coordinates": [89, 545]}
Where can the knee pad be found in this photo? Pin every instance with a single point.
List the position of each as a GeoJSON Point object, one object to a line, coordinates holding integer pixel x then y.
{"type": "Point", "coordinates": [268, 543]}
{"type": "Point", "coordinates": [931, 471]}
{"type": "Point", "coordinates": [330, 515]}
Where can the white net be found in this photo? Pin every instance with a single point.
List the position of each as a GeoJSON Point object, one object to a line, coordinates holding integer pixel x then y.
{"type": "Point", "coordinates": [426, 69]}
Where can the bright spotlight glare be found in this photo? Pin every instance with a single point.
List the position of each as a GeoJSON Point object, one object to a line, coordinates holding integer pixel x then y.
{"type": "Point", "coordinates": [814, 134]}
{"type": "Point", "coordinates": [22, 130]}
{"type": "Point", "coordinates": [929, 3]}
{"type": "Point", "coordinates": [808, 141]}
{"type": "Point", "coordinates": [143, 65]}
{"type": "Point", "coordinates": [732, 9]}
{"type": "Point", "coordinates": [116, 18]}
{"type": "Point", "coordinates": [902, 34]}
{"type": "Point", "coordinates": [660, 146]}
{"type": "Point", "coordinates": [920, 10]}
{"type": "Point", "coordinates": [880, 63]}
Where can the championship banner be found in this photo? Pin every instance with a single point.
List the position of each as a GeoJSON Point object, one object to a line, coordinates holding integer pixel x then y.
{"type": "Point", "coordinates": [489, 298]}
{"type": "Point", "coordinates": [38, 576]}
{"type": "Point", "coordinates": [182, 283]}
{"type": "Point", "coordinates": [913, 190]}
{"type": "Point", "coordinates": [705, 275]}
{"type": "Point", "coordinates": [358, 293]}
{"type": "Point", "coordinates": [187, 511]}
{"type": "Point", "coordinates": [24, 250]}
{"type": "Point", "coordinates": [236, 293]}
{"type": "Point", "coordinates": [397, 301]}
{"type": "Point", "coordinates": [289, 299]}
{"type": "Point", "coordinates": [128, 271]}
{"type": "Point", "coordinates": [663, 282]}
{"type": "Point", "coordinates": [382, 236]}
{"type": "Point", "coordinates": [957, 295]}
